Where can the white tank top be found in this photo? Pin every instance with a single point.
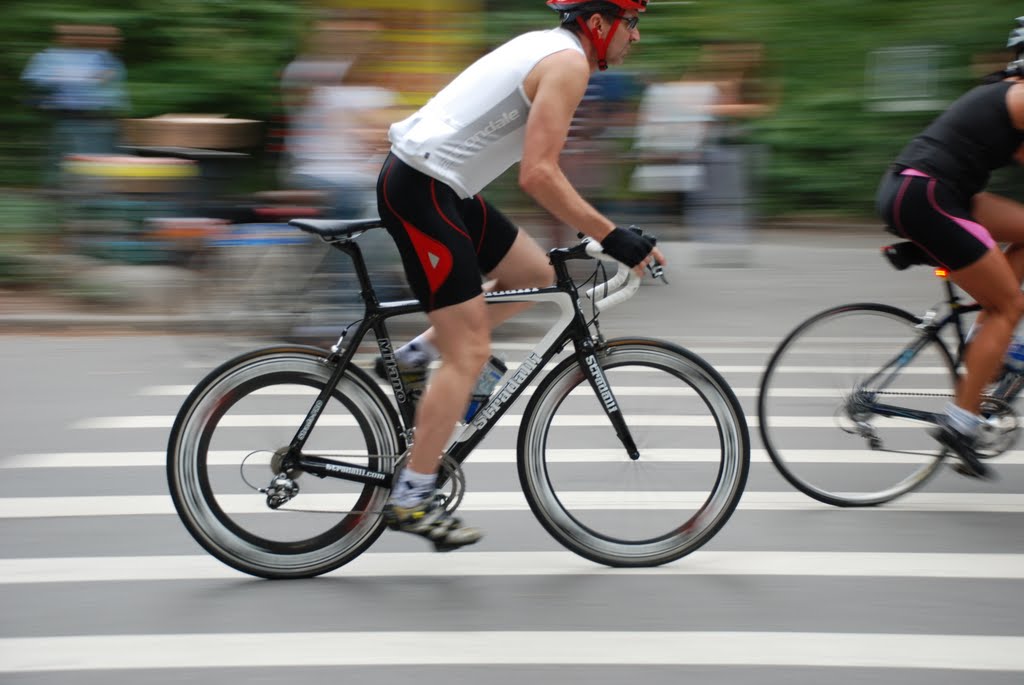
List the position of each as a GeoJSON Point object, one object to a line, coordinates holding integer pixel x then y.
{"type": "Point", "coordinates": [473, 130]}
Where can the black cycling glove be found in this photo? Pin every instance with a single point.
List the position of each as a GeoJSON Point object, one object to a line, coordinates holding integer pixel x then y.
{"type": "Point", "coordinates": [626, 246]}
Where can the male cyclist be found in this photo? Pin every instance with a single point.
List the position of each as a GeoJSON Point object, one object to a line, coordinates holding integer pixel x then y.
{"type": "Point", "coordinates": [512, 105]}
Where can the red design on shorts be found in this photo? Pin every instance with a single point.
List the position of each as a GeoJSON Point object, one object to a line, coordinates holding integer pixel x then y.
{"type": "Point", "coordinates": [433, 255]}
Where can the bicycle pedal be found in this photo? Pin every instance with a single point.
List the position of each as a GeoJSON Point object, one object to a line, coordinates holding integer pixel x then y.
{"type": "Point", "coordinates": [390, 520]}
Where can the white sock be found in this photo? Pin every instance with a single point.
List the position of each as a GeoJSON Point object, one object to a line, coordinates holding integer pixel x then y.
{"type": "Point", "coordinates": [411, 487]}
{"type": "Point", "coordinates": [417, 352]}
{"type": "Point", "coordinates": [963, 421]}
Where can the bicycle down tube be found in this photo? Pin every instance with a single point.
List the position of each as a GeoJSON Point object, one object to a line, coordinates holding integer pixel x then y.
{"type": "Point", "coordinates": [930, 333]}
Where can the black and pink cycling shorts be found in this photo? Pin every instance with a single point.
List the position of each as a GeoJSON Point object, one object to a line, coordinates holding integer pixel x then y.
{"type": "Point", "coordinates": [446, 242]}
{"type": "Point", "coordinates": [929, 212]}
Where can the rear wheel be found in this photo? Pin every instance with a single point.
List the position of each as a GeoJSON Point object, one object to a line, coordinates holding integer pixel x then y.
{"type": "Point", "coordinates": [816, 399]}
{"type": "Point", "coordinates": [228, 441]}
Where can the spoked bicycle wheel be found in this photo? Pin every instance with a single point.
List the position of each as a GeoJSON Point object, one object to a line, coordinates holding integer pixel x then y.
{"type": "Point", "coordinates": [226, 444]}
{"type": "Point", "coordinates": [601, 504]}
{"type": "Point", "coordinates": [815, 399]}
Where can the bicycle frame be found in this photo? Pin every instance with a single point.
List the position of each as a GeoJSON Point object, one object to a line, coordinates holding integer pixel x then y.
{"type": "Point", "coordinates": [571, 325]}
{"type": "Point", "coordinates": [930, 330]}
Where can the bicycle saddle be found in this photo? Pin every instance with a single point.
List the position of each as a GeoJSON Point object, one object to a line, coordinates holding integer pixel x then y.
{"type": "Point", "coordinates": [907, 254]}
{"type": "Point", "coordinates": [335, 228]}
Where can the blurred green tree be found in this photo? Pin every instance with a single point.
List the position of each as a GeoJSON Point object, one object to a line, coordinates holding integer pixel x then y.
{"type": "Point", "coordinates": [826, 146]}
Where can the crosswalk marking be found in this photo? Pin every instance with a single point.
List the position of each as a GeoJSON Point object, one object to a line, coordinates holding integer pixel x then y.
{"type": "Point", "coordinates": [421, 647]}
{"type": "Point", "coordinates": [144, 505]}
{"type": "Point", "coordinates": [519, 563]}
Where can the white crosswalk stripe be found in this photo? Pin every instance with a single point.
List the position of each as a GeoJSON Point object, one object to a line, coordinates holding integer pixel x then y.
{"type": "Point", "coordinates": [836, 650]}
{"type": "Point", "coordinates": [398, 564]}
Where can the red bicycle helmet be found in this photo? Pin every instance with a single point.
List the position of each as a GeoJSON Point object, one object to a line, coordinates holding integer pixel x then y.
{"type": "Point", "coordinates": [570, 5]}
{"type": "Point", "coordinates": [577, 10]}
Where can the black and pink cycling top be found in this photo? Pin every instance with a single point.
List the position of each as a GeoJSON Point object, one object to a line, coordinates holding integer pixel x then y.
{"type": "Point", "coordinates": [966, 143]}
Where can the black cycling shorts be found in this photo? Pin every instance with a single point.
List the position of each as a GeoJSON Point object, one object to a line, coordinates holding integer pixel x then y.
{"type": "Point", "coordinates": [930, 213]}
{"type": "Point", "coordinates": [446, 243]}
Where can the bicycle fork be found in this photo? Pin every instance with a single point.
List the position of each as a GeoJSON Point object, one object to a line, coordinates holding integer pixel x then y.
{"type": "Point", "coordinates": [587, 356]}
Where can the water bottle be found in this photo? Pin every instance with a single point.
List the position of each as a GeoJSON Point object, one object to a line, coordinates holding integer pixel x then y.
{"type": "Point", "coordinates": [1015, 354]}
{"type": "Point", "coordinates": [494, 369]}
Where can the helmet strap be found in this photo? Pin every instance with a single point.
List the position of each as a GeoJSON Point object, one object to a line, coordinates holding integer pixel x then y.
{"type": "Point", "coordinates": [601, 45]}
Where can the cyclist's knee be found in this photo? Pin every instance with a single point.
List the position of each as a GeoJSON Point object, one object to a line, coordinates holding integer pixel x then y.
{"type": "Point", "coordinates": [469, 355]}
{"type": "Point", "coordinates": [1011, 309]}
{"type": "Point", "coordinates": [1017, 307]}
{"type": "Point", "coordinates": [466, 346]}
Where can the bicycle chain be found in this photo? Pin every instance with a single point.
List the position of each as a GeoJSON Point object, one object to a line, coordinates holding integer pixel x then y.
{"type": "Point", "coordinates": [922, 394]}
{"type": "Point", "coordinates": [992, 400]}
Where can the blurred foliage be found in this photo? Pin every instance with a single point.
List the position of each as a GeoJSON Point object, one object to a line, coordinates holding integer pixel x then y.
{"type": "Point", "coordinates": [826, 149]}
{"type": "Point", "coordinates": [195, 56]}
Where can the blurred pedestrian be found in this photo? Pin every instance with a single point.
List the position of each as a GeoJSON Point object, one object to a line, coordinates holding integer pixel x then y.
{"type": "Point", "coordinates": [336, 119]}
{"type": "Point", "coordinates": [337, 125]}
{"type": "Point", "coordinates": [79, 82]}
{"type": "Point", "coordinates": [702, 120]}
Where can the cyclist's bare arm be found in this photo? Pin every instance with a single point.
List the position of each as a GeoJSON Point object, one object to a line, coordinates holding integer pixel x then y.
{"type": "Point", "coordinates": [1015, 105]}
{"type": "Point", "coordinates": [555, 88]}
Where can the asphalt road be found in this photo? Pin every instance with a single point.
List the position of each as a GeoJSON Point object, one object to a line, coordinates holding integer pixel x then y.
{"type": "Point", "coordinates": [100, 582]}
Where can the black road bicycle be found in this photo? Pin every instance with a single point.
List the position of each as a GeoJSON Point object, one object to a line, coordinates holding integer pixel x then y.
{"type": "Point", "coordinates": [859, 383]}
{"type": "Point", "coordinates": [631, 451]}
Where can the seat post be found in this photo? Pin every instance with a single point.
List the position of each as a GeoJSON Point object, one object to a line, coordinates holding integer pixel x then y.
{"type": "Point", "coordinates": [367, 292]}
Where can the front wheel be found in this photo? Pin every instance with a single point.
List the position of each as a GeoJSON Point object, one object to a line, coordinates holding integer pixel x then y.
{"type": "Point", "coordinates": [227, 442]}
{"type": "Point", "coordinates": [819, 400]}
{"type": "Point", "coordinates": [694, 455]}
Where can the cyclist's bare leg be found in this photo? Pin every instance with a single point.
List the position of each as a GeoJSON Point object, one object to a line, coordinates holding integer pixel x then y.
{"type": "Point", "coordinates": [525, 265]}
{"type": "Point", "coordinates": [1004, 219]}
{"type": "Point", "coordinates": [991, 282]}
{"type": "Point", "coordinates": [462, 334]}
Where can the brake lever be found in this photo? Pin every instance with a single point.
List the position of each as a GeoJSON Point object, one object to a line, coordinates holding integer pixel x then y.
{"type": "Point", "coordinates": [656, 270]}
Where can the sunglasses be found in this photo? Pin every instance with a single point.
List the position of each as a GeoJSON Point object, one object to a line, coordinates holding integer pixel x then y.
{"type": "Point", "coordinates": [630, 22]}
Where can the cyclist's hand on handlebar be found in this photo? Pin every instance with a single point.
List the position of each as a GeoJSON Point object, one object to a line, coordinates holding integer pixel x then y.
{"type": "Point", "coordinates": [630, 247]}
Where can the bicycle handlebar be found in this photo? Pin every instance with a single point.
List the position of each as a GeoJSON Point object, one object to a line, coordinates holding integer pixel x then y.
{"type": "Point", "coordinates": [617, 289]}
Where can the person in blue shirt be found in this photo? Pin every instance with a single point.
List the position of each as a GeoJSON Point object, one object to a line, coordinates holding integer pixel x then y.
{"type": "Point", "coordinates": [79, 82]}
